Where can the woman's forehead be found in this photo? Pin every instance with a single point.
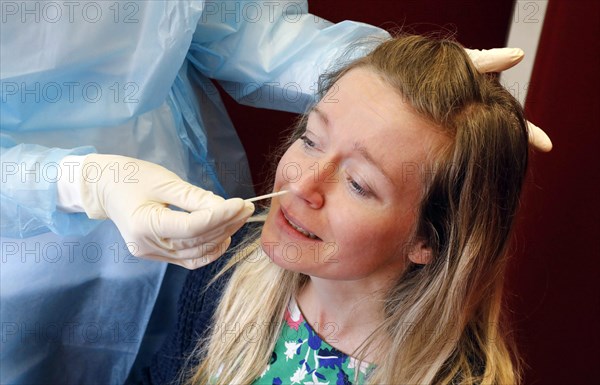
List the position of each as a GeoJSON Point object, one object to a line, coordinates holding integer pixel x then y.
{"type": "Point", "coordinates": [362, 107]}
{"type": "Point", "coordinates": [365, 118]}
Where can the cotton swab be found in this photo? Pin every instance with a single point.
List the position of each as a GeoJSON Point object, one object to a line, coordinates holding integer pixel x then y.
{"type": "Point", "coordinates": [267, 196]}
{"type": "Point", "coordinates": [263, 217]}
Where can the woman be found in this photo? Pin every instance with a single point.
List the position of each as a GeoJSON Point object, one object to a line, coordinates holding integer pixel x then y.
{"type": "Point", "coordinates": [384, 262]}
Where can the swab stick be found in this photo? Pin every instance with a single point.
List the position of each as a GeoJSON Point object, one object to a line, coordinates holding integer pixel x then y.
{"type": "Point", "coordinates": [267, 196]}
{"type": "Point", "coordinates": [263, 217]}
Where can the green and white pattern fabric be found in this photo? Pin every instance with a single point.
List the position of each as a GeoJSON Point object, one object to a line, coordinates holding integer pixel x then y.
{"type": "Point", "coordinates": [302, 357]}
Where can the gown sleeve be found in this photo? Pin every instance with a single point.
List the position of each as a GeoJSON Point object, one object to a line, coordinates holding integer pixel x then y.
{"type": "Point", "coordinates": [270, 54]}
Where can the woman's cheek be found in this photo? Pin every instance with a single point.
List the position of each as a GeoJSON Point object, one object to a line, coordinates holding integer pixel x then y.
{"type": "Point", "coordinates": [343, 225]}
{"type": "Point", "coordinates": [278, 176]}
{"type": "Point", "coordinates": [287, 170]}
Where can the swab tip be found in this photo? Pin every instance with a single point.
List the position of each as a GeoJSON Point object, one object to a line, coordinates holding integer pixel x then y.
{"type": "Point", "coordinates": [267, 196]}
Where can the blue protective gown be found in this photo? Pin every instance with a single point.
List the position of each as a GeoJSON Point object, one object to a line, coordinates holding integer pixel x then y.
{"type": "Point", "coordinates": [128, 78]}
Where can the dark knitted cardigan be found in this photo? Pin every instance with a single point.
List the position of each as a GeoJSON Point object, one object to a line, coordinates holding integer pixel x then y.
{"type": "Point", "coordinates": [195, 308]}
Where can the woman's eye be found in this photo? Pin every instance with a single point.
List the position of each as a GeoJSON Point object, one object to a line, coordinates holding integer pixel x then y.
{"type": "Point", "coordinates": [357, 188]}
{"type": "Point", "coordinates": [307, 142]}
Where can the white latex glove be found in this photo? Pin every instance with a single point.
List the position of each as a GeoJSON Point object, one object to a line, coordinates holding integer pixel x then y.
{"type": "Point", "coordinates": [495, 60]}
{"type": "Point", "coordinates": [500, 59]}
{"type": "Point", "coordinates": [135, 194]}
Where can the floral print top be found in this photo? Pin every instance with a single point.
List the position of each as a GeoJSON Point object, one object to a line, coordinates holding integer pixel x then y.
{"type": "Point", "coordinates": [302, 357]}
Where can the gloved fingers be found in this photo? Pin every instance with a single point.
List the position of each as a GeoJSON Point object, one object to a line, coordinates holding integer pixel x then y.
{"type": "Point", "coordinates": [187, 196]}
{"type": "Point", "coordinates": [208, 238]}
{"type": "Point", "coordinates": [168, 223]}
{"type": "Point", "coordinates": [496, 59]}
{"type": "Point", "coordinates": [538, 138]}
{"type": "Point", "coordinates": [196, 257]}
{"type": "Point", "coordinates": [500, 59]}
{"type": "Point", "coordinates": [191, 258]}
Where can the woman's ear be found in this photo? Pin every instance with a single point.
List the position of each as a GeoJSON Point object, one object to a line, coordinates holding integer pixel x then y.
{"type": "Point", "coordinates": [420, 253]}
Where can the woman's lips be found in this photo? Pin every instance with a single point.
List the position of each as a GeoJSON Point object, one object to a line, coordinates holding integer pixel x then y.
{"type": "Point", "coordinates": [294, 227]}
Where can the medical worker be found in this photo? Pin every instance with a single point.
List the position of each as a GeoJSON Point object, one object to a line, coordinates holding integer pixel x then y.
{"type": "Point", "coordinates": [107, 113]}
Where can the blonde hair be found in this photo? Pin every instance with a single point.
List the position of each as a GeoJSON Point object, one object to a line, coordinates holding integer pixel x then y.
{"type": "Point", "coordinates": [443, 320]}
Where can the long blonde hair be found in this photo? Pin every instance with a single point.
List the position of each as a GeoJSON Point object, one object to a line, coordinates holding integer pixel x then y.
{"type": "Point", "coordinates": [443, 320]}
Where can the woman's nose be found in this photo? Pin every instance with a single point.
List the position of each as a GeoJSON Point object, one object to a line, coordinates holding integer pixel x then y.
{"type": "Point", "coordinates": [309, 185]}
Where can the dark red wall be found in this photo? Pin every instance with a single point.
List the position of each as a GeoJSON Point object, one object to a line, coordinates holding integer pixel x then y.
{"type": "Point", "coordinates": [553, 285]}
{"type": "Point", "coordinates": [556, 274]}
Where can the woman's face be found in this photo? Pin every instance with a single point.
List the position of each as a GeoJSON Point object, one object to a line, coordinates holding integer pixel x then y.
{"type": "Point", "coordinates": [354, 181]}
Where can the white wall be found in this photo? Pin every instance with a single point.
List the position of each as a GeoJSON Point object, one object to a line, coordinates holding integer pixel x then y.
{"type": "Point", "coordinates": [525, 30]}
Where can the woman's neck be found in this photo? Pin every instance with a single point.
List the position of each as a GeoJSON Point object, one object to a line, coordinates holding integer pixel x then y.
{"type": "Point", "coordinates": [343, 313]}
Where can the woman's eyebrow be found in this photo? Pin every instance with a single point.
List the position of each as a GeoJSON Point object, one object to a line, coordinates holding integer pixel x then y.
{"type": "Point", "coordinates": [362, 150]}
{"type": "Point", "coordinates": [322, 116]}
{"type": "Point", "coordinates": [358, 147]}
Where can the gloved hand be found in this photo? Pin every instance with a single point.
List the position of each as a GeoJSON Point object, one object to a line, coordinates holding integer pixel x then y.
{"type": "Point", "coordinates": [500, 59]}
{"type": "Point", "coordinates": [495, 60]}
{"type": "Point", "coordinates": [135, 194]}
